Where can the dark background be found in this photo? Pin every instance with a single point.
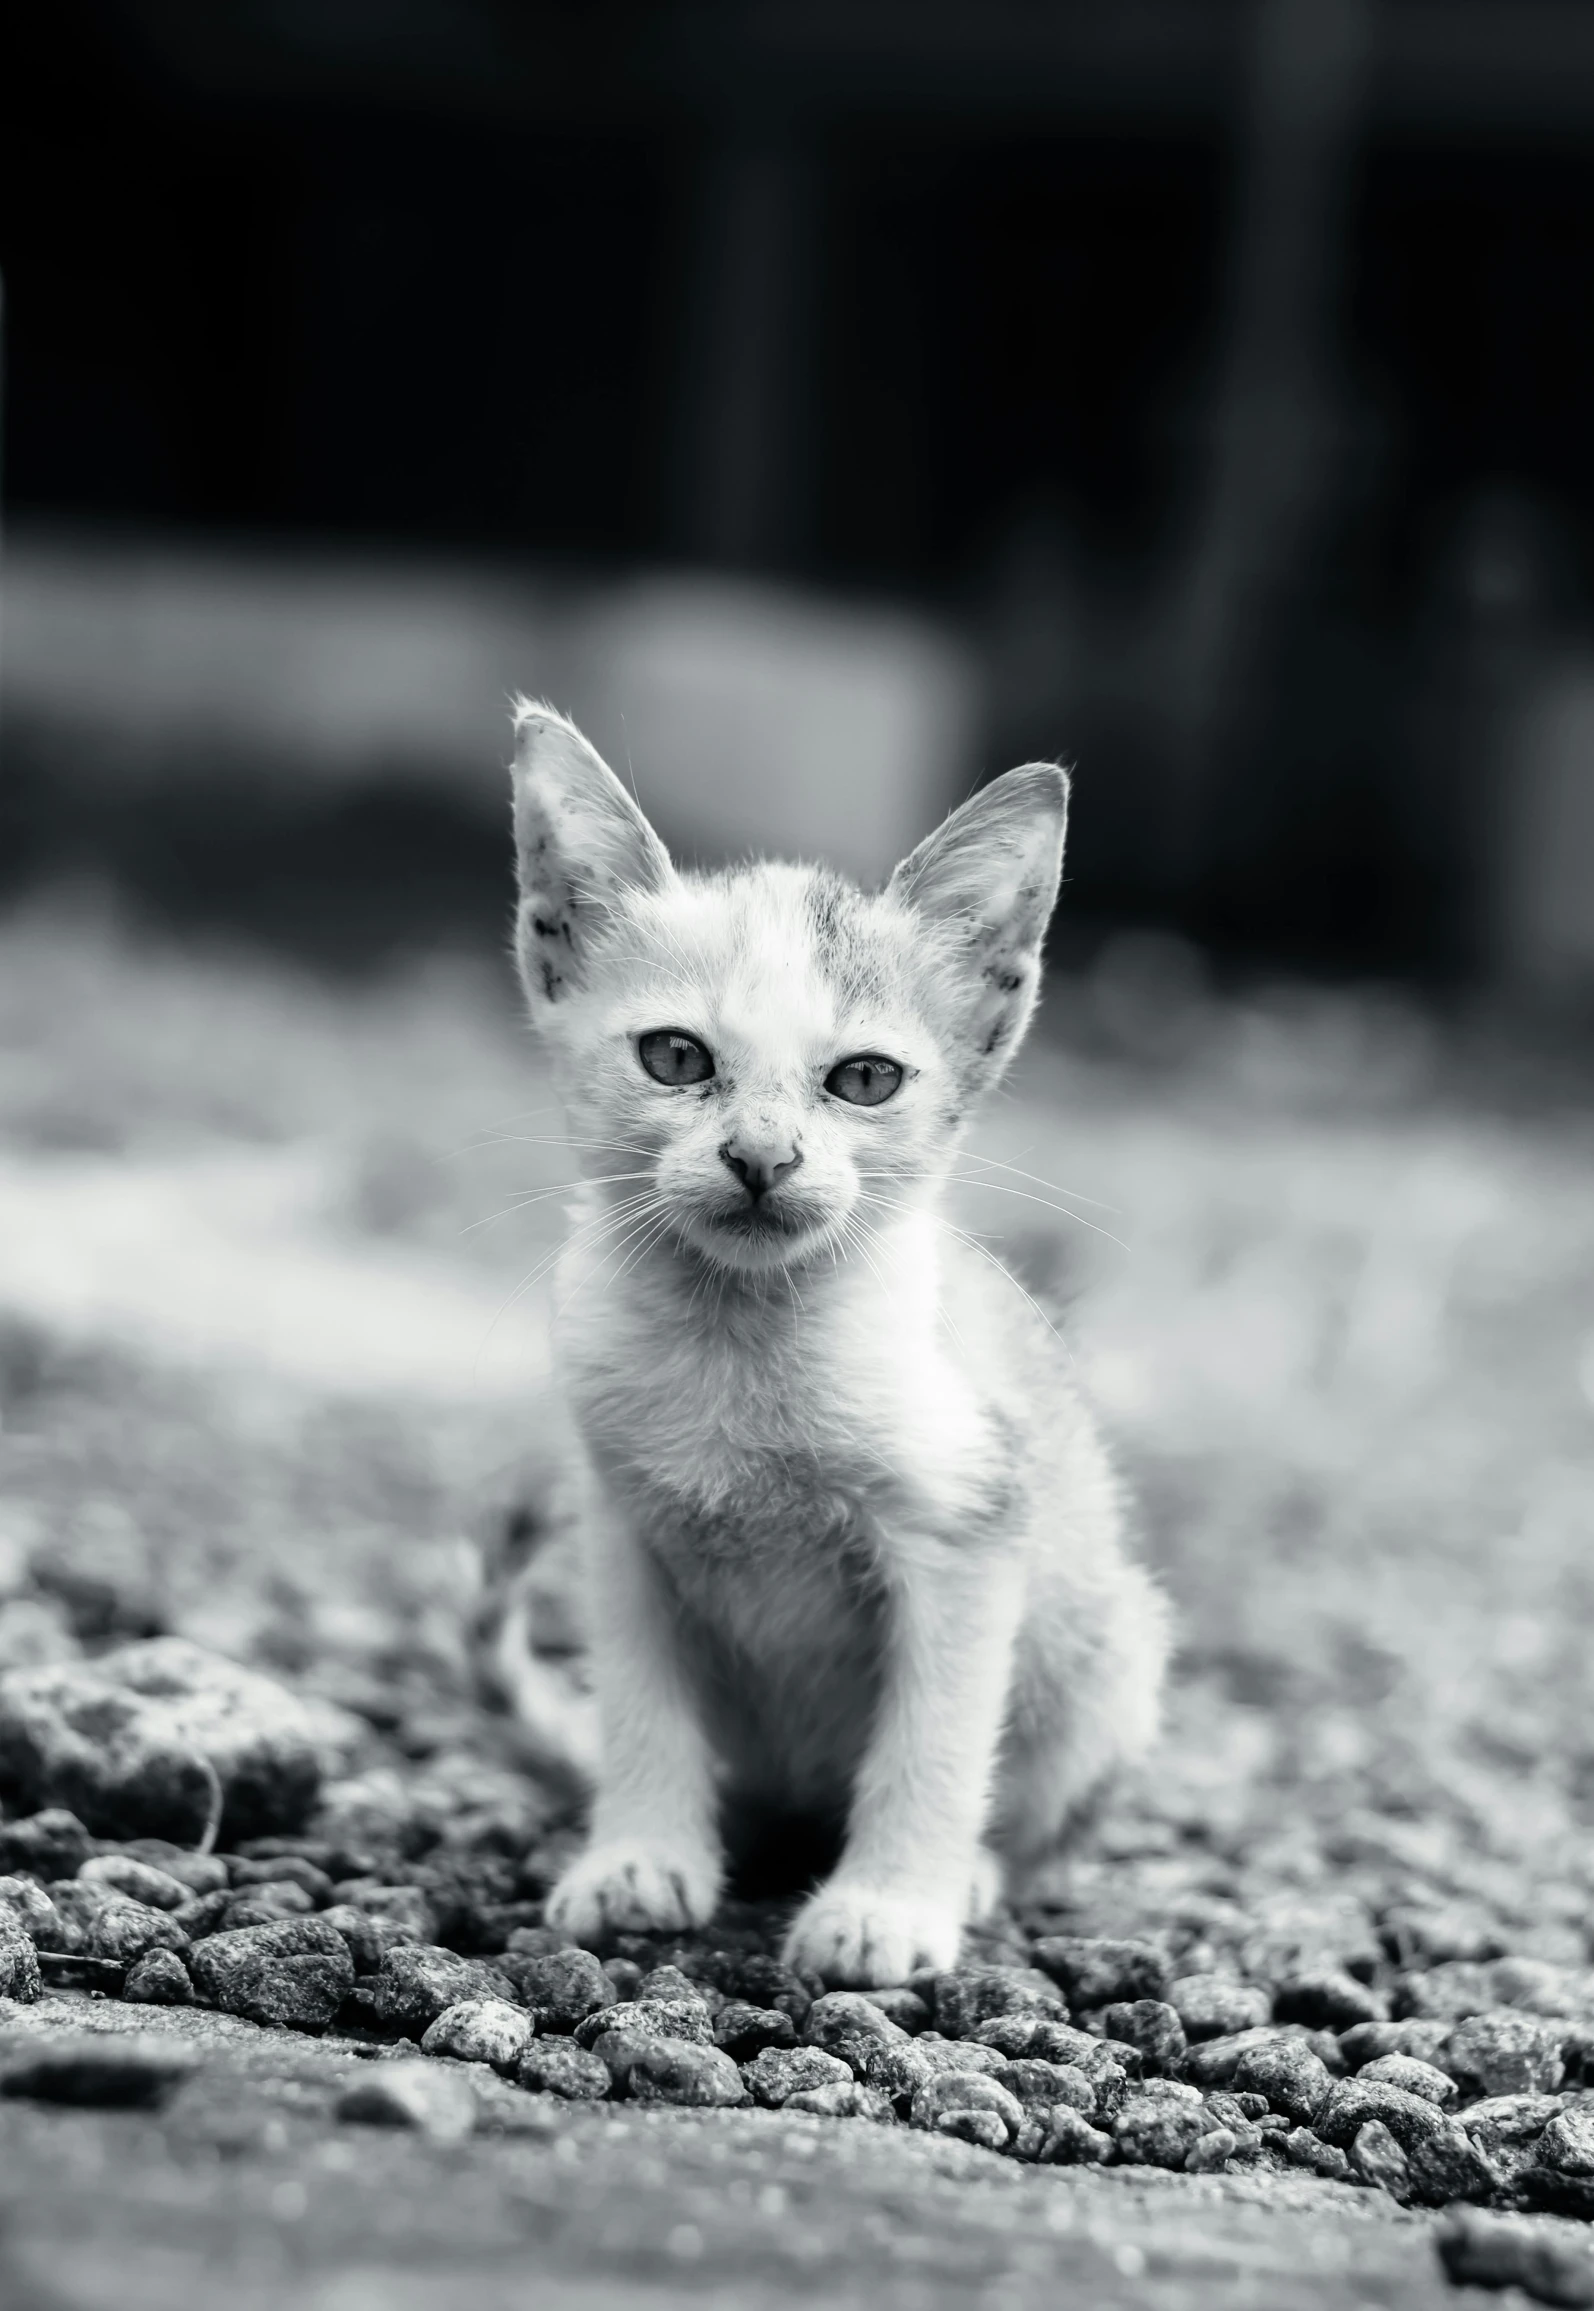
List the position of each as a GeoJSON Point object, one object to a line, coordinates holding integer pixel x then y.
{"type": "Point", "coordinates": [1251, 347]}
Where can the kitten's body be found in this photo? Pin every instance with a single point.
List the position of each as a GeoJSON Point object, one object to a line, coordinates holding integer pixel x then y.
{"type": "Point", "coordinates": [853, 1542]}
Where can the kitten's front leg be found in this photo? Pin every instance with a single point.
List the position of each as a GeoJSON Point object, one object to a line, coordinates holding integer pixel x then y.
{"type": "Point", "coordinates": [652, 1862]}
{"type": "Point", "coordinates": [912, 1861]}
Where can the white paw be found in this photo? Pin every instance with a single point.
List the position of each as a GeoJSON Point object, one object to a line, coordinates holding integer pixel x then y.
{"type": "Point", "coordinates": [630, 1887]}
{"type": "Point", "coordinates": [869, 1935]}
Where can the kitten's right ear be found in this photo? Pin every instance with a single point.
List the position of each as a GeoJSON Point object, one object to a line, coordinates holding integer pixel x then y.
{"type": "Point", "coordinates": [580, 841]}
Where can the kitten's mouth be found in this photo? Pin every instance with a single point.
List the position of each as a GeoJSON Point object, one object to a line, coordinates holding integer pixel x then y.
{"type": "Point", "coordinates": [764, 1233]}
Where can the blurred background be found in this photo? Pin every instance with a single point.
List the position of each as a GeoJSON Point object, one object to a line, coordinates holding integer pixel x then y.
{"type": "Point", "coordinates": [830, 405]}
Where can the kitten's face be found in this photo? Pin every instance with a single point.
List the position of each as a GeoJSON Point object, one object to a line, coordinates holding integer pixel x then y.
{"type": "Point", "coordinates": [761, 1067]}
{"type": "Point", "coordinates": [763, 1048]}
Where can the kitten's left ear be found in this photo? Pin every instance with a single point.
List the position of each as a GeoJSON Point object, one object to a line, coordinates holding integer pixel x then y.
{"type": "Point", "coordinates": [989, 874]}
{"type": "Point", "coordinates": [580, 841]}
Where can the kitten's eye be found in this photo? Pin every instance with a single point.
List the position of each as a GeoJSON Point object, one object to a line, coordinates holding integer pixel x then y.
{"type": "Point", "coordinates": [867, 1081]}
{"type": "Point", "coordinates": [673, 1058]}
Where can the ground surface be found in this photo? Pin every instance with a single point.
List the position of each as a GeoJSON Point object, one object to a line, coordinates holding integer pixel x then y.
{"type": "Point", "coordinates": [259, 1385]}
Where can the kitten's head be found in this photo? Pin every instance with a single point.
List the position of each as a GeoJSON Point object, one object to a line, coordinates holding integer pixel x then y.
{"type": "Point", "coordinates": [769, 1058]}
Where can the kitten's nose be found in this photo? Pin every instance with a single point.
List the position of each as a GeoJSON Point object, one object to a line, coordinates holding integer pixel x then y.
{"type": "Point", "coordinates": [761, 1165]}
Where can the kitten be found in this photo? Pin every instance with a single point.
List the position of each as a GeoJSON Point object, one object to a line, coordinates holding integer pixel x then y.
{"type": "Point", "coordinates": [852, 1541]}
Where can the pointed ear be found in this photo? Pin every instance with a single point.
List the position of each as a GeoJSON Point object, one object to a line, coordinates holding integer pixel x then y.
{"type": "Point", "coordinates": [580, 841]}
{"type": "Point", "coordinates": [989, 876]}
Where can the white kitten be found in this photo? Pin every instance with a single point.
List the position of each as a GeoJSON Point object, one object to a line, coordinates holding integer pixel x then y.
{"type": "Point", "coordinates": [852, 1542]}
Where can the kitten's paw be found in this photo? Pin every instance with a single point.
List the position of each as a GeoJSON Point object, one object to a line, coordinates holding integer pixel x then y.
{"type": "Point", "coordinates": [987, 1884]}
{"type": "Point", "coordinates": [630, 1887]}
{"type": "Point", "coordinates": [869, 1935]}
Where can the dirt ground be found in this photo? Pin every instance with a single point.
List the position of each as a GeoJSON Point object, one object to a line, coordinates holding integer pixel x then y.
{"type": "Point", "coordinates": [273, 1348]}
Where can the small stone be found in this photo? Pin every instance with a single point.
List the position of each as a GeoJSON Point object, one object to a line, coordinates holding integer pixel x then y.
{"type": "Point", "coordinates": [205, 1914]}
{"type": "Point", "coordinates": [776, 2074]}
{"type": "Point", "coordinates": [1214, 2006]}
{"type": "Point", "coordinates": [838, 2100]}
{"type": "Point", "coordinates": [34, 1911]}
{"type": "Point", "coordinates": [743, 2030]}
{"type": "Point", "coordinates": [417, 1982]}
{"type": "Point", "coordinates": [686, 2018]}
{"type": "Point", "coordinates": [959, 2091]}
{"type": "Point", "coordinates": [1215, 2061]}
{"type": "Point", "coordinates": [297, 1972]}
{"type": "Point", "coordinates": [1326, 1998]}
{"type": "Point", "coordinates": [368, 1939]}
{"type": "Point", "coordinates": [1504, 2052]}
{"type": "Point", "coordinates": [437, 2103]}
{"type": "Point", "coordinates": [559, 2066]}
{"type": "Point", "coordinates": [1371, 2041]}
{"type": "Point", "coordinates": [1157, 2124]}
{"type": "Point", "coordinates": [624, 1973]}
{"type": "Point", "coordinates": [110, 2073]}
{"type": "Point", "coordinates": [1378, 2159]}
{"type": "Point", "coordinates": [51, 1844]}
{"type": "Point", "coordinates": [480, 2030]}
{"type": "Point", "coordinates": [847, 2014]}
{"type": "Point", "coordinates": [1211, 2151]}
{"type": "Point", "coordinates": [406, 1906]}
{"type": "Point", "coordinates": [1551, 2261]}
{"type": "Point", "coordinates": [902, 2006]}
{"type": "Point", "coordinates": [281, 1869]}
{"type": "Point", "coordinates": [1240, 2111]}
{"type": "Point", "coordinates": [1072, 2142]}
{"type": "Point", "coordinates": [966, 1996]}
{"type": "Point", "coordinates": [562, 1987]}
{"type": "Point", "coordinates": [159, 1978]}
{"type": "Point", "coordinates": [1305, 2149]}
{"type": "Point", "coordinates": [1510, 2120]}
{"type": "Point", "coordinates": [120, 1874]}
{"type": "Point", "coordinates": [1293, 2078]}
{"type": "Point", "coordinates": [669, 1984]}
{"type": "Point", "coordinates": [1416, 2077]}
{"type": "Point", "coordinates": [1034, 2036]}
{"type": "Point", "coordinates": [19, 1963]}
{"type": "Point", "coordinates": [124, 1930]}
{"type": "Point", "coordinates": [1039, 2085]}
{"type": "Point", "coordinates": [200, 1873]}
{"type": "Point", "coordinates": [986, 2129]}
{"type": "Point", "coordinates": [264, 1905]}
{"type": "Point", "coordinates": [1151, 2027]}
{"type": "Point", "coordinates": [676, 2070]}
{"type": "Point", "coordinates": [1094, 1971]}
{"type": "Point", "coordinates": [1410, 2118]}
{"type": "Point", "coordinates": [138, 1740]}
{"type": "Point", "coordinates": [71, 1970]}
{"type": "Point", "coordinates": [1567, 2142]}
{"type": "Point", "coordinates": [1448, 2165]}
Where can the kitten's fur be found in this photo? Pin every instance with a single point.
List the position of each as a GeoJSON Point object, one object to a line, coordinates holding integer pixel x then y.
{"type": "Point", "coordinates": [853, 1542]}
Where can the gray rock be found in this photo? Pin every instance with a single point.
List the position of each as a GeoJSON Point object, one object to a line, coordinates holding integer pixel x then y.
{"type": "Point", "coordinates": [1040, 2085]}
{"type": "Point", "coordinates": [284, 1869]}
{"type": "Point", "coordinates": [1157, 2123]}
{"type": "Point", "coordinates": [368, 1940]}
{"type": "Point", "coordinates": [481, 2030]}
{"type": "Point", "coordinates": [669, 1985]}
{"type": "Point", "coordinates": [1351, 2104]}
{"type": "Point", "coordinates": [743, 2031]}
{"type": "Point", "coordinates": [404, 1906]}
{"type": "Point", "coordinates": [965, 1996]}
{"type": "Point", "coordinates": [956, 2091]}
{"type": "Point", "coordinates": [986, 2129]}
{"type": "Point", "coordinates": [847, 2014]}
{"type": "Point", "coordinates": [1549, 2260]}
{"type": "Point", "coordinates": [902, 2006]}
{"type": "Point", "coordinates": [1416, 2077]}
{"type": "Point", "coordinates": [685, 2018]}
{"type": "Point", "coordinates": [1211, 2151]}
{"type": "Point", "coordinates": [19, 1962]}
{"type": "Point", "coordinates": [1326, 1998]}
{"type": "Point", "coordinates": [119, 2073]}
{"type": "Point", "coordinates": [121, 1874]}
{"type": "Point", "coordinates": [1093, 1970]}
{"type": "Point", "coordinates": [1216, 2006]}
{"type": "Point", "coordinates": [138, 1741]}
{"type": "Point", "coordinates": [264, 1905]}
{"type": "Point", "coordinates": [1370, 2041]}
{"type": "Point", "coordinates": [297, 1972]}
{"type": "Point", "coordinates": [199, 1873]}
{"type": "Point", "coordinates": [417, 1982]}
{"type": "Point", "coordinates": [1304, 2148]}
{"type": "Point", "coordinates": [561, 1987]}
{"type": "Point", "coordinates": [34, 1911]}
{"type": "Point", "coordinates": [51, 1844]}
{"type": "Point", "coordinates": [764, 1981]}
{"type": "Point", "coordinates": [678, 2070]}
{"type": "Point", "coordinates": [1020, 2036]}
{"type": "Point", "coordinates": [1504, 2052]}
{"type": "Point", "coordinates": [1071, 2141]}
{"type": "Point", "coordinates": [1151, 2027]}
{"type": "Point", "coordinates": [71, 1970]}
{"type": "Point", "coordinates": [1214, 2062]}
{"type": "Point", "coordinates": [123, 1930]}
{"type": "Point", "coordinates": [159, 1978]}
{"type": "Point", "coordinates": [559, 2066]}
{"type": "Point", "coordinates": [1448, 2165]}
{"type": "Point", "coordinates": [1567, 2141]}
{"type": "Point", "coordinates": [775, 2075]}
{"type": "Point", "coordinates": [1379, 2160]}
{"type": "Point", "coordinates": [1293, 2078]}
{"type": "Point", "coordinates": [435, 2102]}
{"type": "Point", "coordinates": [1510, 2120]}
{"type": "Point", "coordinates": [838, 2100]}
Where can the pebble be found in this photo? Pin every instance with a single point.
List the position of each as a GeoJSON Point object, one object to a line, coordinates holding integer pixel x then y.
{"type": "Point", "coordinates": [296, 1972]}
{"type": "Point", "coordinates": [764, 1981]}
{"type": "Point", "coordinates": [368, 1940]}
{"type": "Point", "coordinates": [111, 2073]}
{"type": "Point", "coordinates": [1039, 2084]}
{"type": "Point", "coordinates": [1351, 2103]}
{"type": "Point", "coordinates": [140, 1881]}
{"type": "Point", "coordinates": [986, 2129]}
{"type": "Point", "coordinates": [283, 1869]}
{"type": "Point", "coordinates": [775, 2075]}
{"type": "Point", "coordinates": [123, 1930]}
{"type": "Point", "coordinates": [417, 1982]}
{"type": "Point", "coordinates": [744, 2030]}
{"type": "Point", "coordinates": [1378, 2159]}
{"type": "Point", "coordinates": [1019, 2035]}
{"type": "Point", "coordinates": [1151, 2027]}
{"type": "Point", "coordinates": [1293, 2078]}
{"type": "Point", "coordinates": [1447, 2165]}
{"type": "Point", "coordinates": [1211, 2151]}
{"type": "Point", "coordinates": [848, 2014]}
{"type": "Point", "coordinates": [1551, 2261]}
{"type": "Point", "coordinates": [1370, 2041]}
{"type": "Point", "coordinates": [200, 1873]}
{"type": "Point", "coordinates": [34, 1911]}
{"type": "Point", "coordinates": [1504, 2052]}
{"type": "Point", "coordinates": [51, 1844]}
{"type": "Point", "coordinates": [962, 1997]}
{"type": "Point", "coordinates": [561, 1987]}
{"type": "Point", "coordinates": [480, 2030]}
{"type": "Point", "coordinates": [1305, 2149]}
{"type": "Point", "coordinates": [1215, 2061]}
{"type": "Point", "coordinates": [1503, 2120]}
{"type": "Point", "coordinates": [159, 1978]}
{"type": "Point", "coordinates": [685, 2018]}
{"type": "Point", "coordinates": [1214, 2006]}
{"type": "Point", "coordinates": [19, 1962]}
{"type": "Point", "coordinates": [957, 2091]}
{"type": "Point", "coordinates": [1071, 2141]}
{"type": "Point", "coordinates": [1327, 1998]}
{"type": "Point", "coordinates": [676, 2070]}
{"type": "Point", "coordinates": [1567, 2142]}
{"type": "Point", "coordinates": [1416, 2077]}
{"type": "Point", "coordinates": [559, 2066]}
{"type": "Point", "coordinates": [435, 2102]}
{"type": "Point", "coordinates": [405, 1906]}
{"type": "Point", "coordinates": [1096, 1971]}
{"type": "Point", "coordinates": [667, 1984]}
{"type": "Point", "coordinates": [1157, 2123]}
{"type": "Point", "coordinates": [839, 2100]}
{"type": "Point", "coordinates": [902, 2006]}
